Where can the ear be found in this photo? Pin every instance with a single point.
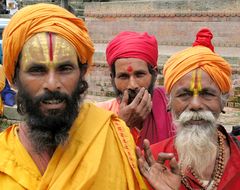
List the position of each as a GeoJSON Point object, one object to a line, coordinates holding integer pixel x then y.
{"type": "Point", "coordinates": [168, 97]}
{"type": "Point", "coordinates": [111, 75]}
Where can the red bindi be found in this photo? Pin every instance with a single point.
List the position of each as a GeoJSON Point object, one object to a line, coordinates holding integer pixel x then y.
{"type": "Point", "coordinates": [129, 69]}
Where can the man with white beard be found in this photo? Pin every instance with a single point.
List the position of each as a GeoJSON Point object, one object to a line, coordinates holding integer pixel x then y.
{"type": "Point", "coordinates": [202, 155]}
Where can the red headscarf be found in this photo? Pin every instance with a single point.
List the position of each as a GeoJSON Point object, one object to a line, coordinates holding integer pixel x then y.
{"type": "Point", "coordinates": [133, 45]}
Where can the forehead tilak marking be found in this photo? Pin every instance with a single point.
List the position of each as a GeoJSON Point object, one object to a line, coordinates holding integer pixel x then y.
{"type": "Point", "coordinates": [129, 68]}
{"type": "Point", "coordinates": [196, 85]}
{"type": "Point", "coordinates": [50, 47]}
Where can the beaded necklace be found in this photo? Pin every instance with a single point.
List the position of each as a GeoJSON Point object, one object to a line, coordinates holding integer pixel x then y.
{"type": "Point", "coordinates": [218, 169]}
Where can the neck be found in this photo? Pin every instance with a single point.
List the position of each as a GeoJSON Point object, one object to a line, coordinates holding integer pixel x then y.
{"type": "Point", "coordinates": [41, 159]}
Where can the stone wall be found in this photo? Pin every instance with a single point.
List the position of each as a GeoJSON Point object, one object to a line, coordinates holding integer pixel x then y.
{"type": "Point", "coordinates": [174, 23]}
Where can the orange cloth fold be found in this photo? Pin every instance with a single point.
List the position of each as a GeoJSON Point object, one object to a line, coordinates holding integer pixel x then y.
{"type": "Point", "coordinates": [197, 57]}
{"type": "Point", "coordinates": [2, 85]}
{"type": "Point", "coordinates": [100, 158]}
{"type": "Point", "coordinates": [43, 18]}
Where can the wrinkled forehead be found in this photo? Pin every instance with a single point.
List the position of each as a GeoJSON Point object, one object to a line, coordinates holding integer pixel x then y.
{"type": "Point", "coordinates": [197, 80]}
{"type": "Point", "coordinates": [48, 48]}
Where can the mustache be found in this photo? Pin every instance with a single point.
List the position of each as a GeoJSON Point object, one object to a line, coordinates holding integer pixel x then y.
{"type": "Point", "coordinates": [187, 116]}
{"type": "Point", "coordinates": [55, 95]}
{"type": "Point", "coordinates": [131, 95]}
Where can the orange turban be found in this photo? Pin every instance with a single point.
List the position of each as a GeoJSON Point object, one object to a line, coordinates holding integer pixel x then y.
{"type": "Point", "coordinates": [200, 56]}
{"type": "Point", "coordinates": [43, 18]}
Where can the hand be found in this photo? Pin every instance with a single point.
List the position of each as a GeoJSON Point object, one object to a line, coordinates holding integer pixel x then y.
{"type": "Point", "coordinates": [136, 112]}
{"type": "Point", "coordinates": [157, 174]}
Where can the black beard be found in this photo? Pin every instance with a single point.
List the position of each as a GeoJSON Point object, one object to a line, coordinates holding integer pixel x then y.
{"type": "Point", "coordinates": [46, 132]}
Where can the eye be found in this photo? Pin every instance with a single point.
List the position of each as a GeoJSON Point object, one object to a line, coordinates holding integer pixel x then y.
{"type": "Point", "coordinates": [36, 70]}
{"type": "Point", "coordinates": [185, 94]}
{"type": "Point", "coordinates": [139, 75]}
{"type": "Point", "coordinates": [123, 76]}
{"type": "Point", "coordinates": [207, 94]}
{"type": "Point", "coordinates": [66, 68]}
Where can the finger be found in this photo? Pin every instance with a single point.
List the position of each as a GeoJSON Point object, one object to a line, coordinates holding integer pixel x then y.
{"type": "Point", "coordinates": [145, 104]}
{"type": "Point", "coordinates": [148, 153]}
{"type": "Point", "coordinates": [124, 101]}
{"type": "Point", "coordinates": [162, 157]}
{"type": "Point", "coordinates": [138, 98]}
{"type": "Point", "coordinates": [139, 152]}
{"type": "Point", "coordinates": [142, 167]}
{"type": "Point", "coordinates": [142, 164]}
{"type": "Point", "coordinates": [174, 166]}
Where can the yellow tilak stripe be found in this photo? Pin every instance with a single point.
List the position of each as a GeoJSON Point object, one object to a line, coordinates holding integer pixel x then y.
{"type": "Point", "coordinates": [193, 81]}
{"type": "Point", "coordinates": [199, 80]}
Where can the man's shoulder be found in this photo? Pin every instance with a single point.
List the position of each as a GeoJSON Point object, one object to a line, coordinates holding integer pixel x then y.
{"type": "Point", "coordinates": [111, 105]}
{"type": "Point", "coordinates": [9, 131]}
{"type": "Point", "coordinates": [159, 89]}
{"type": "Point", "coordinates": [7, 141]}
{"type": "Point", "coordinates": [91, 112]}
{"type": "Point", "coordinates": [159, 95]}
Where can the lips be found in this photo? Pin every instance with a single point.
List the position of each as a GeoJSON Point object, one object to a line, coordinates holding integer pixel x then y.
{"type": "Point", "coordinates": [53, 104]}
{"type": "Point", "coordinates": [197, 122]}
{"type": "Point", "coordinates": [52, 101]}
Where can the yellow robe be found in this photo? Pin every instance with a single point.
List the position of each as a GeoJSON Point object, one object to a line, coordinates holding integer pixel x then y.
{"type": "Point", "coordinates": [2, 85]}
{"type": "Point", "coordinates": [100, 154]}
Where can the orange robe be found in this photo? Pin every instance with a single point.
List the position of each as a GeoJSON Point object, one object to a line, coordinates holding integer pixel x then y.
{"type": "Point", "coordinates": [2, 85]}
{"type": "Point", "coordinates": [100, 154]}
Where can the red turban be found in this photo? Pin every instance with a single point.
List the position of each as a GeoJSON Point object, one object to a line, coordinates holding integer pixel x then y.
{"type": "Point", "coordinates": [200, 56]}
{"type": "Point", "coordinates": [133, 45]}
{"type": "Point", "coordinates": [203, 38]}
{"type": "Point", "coordinates": [43, 18]}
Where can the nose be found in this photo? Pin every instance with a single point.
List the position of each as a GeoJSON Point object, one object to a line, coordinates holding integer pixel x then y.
{"type": "Point", "coordinates": [133, 85]}
{"type": "Point", "coordinates": [52, 82]}
{"type": "Point", "coordinates": [196, 104]}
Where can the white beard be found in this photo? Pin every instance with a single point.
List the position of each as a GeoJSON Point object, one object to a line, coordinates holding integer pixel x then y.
{"type": "Point", "coordinates": [196, 144]}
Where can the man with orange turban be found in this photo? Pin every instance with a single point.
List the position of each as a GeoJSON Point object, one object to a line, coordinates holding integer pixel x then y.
{"type": "Point", "coordinates": [132, 58]}
{"type": "Point", "coordinates": [202, 155]}
{"type": "Point", "coordinates": [62, 144]}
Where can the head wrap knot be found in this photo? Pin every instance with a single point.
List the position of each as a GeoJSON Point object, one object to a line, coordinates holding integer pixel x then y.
{"type": "Point", "coordinates": [200, 56]}
{"type": "Point", "coordinates": [203, 38]}
{"type": "Point", "coordinates": [43, 18]}
{"type": "Point", "coordinates": [133, 45]}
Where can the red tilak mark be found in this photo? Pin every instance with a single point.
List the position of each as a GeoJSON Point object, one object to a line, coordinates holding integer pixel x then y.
{"type": "Point", "coordinates": [130, 69]}
{"type": "Point", "coordinates": [50, 47]}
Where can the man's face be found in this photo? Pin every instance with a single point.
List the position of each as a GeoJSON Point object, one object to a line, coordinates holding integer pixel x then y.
{"type": "Point", "coordinates": [131, 74]}
{"type": "Point", "coordinates": [49, 64]}
{"type": "Point", "coordinates": [196, 91]}
{"type": "Point", "coordinates": [49, 87]}
{"type": "Point", "coordinates": [196, 104]}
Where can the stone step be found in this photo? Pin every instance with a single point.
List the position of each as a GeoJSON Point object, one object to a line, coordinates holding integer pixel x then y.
{"type": "Point", "coordinates": [231, 54]}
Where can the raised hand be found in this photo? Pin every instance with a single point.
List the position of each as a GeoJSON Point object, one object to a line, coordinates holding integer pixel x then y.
{"type": "Point", "coordinates": [157, 174]}
{"type": "Point", "coordinates": [136, 112]}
